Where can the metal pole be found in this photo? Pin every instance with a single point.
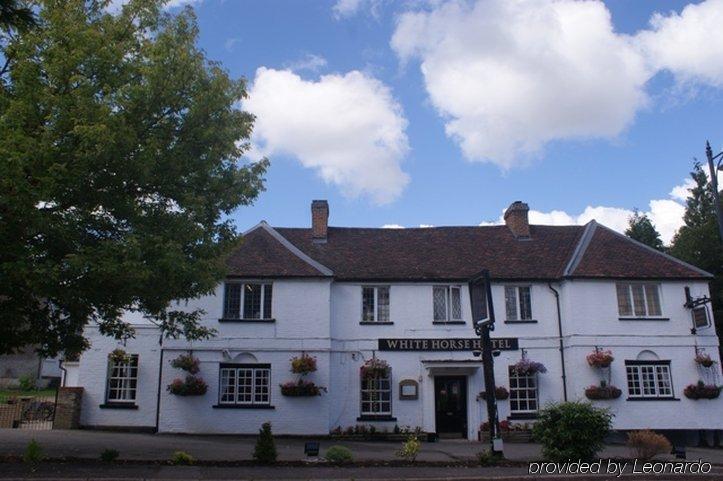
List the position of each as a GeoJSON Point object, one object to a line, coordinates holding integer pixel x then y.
{"type": "Point", "coordinates": [714, 183]}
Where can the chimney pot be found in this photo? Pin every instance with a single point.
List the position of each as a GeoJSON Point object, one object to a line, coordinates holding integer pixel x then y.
{"type": "Point", "coordinates": [517, 221]}
{"type": "Point", "coordinates": [319, 220]}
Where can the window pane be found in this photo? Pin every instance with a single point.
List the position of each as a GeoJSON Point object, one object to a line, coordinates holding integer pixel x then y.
{"type": "Point", "coordinates": [122, 380]}
{"type": "Point", "coordinates": [376, 395]}
{"type": "Point", "coordinates": [624, 307]}
{"type": "Point", "coordinates": [440, 303]}
{"type": "Point", "coordinates": [456, 303]}
{"type": "Point", "coordinates": [511, 302]}
{"type": "Point", "coordinates": [383, 304]}
{"type": "Point", "coordinates": [523, 392]}
{"type": "Point", "coordinates": [267, 301]}
{"type": "Point", "coordinates": [525, 303]}
{"type": "Point", "coordinates": [367, 304]}
{"type": "Point", "coordinates": [252, 301]}
{"type": "Point", "coordinates": [232, 304]}
{"type": "Point", "coordinates": [638, 299]}
{"type": "Point", "coordinates": [652, 296]}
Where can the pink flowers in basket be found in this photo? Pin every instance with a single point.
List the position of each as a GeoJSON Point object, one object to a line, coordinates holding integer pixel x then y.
{"type": "Point", "coordinates": [528, 367]}
{"type": "Point", "coordinates": [704, 360]}
{"type": "Point", "coordinates": [600, 358]}
{"type": "Point", "coordinates": [374, 368]}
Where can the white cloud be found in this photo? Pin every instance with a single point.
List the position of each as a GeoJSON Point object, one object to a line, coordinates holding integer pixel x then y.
{"type": "Point", "coordinates": [230, 43]}
{"type": "Point", "coordinates": [682, 191]}
{"type": "Point", "coordinates": [392, 226]}
{"type": "Point", "coordinates": [510, 76]}
{"type": "Point", "coordinates": [349, 8]}
{"type": "Point", "coordinates": [348, 127]}
{"type": "Point", "coordinates": [309, 62]}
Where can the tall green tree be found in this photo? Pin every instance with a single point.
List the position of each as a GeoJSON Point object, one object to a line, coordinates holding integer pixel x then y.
{"type": "Point", "coordinates": [698, 242]}
{"type": "Point", "coordinates": [121, 156]}
{"type": "Point", "coordinates": [15, 15]}
{"type": "Point", "coordinates": [641, 228]}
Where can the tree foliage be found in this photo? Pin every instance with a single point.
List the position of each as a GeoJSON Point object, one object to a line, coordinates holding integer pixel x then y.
{"type": "Point", "coordinates": [641, 229]}
{"type": "Point", "coordinates": [698, 242]}
{"type": "Point", "coordinates": [121, 158]}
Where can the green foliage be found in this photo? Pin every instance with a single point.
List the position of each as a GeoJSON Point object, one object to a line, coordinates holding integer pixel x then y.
{"type": "Point", "coordinates": [571, 431]}
{"type": "Point", "coordinates": [121, 157]}
{"type": "Point", "coordinates": [33, 453]}
{"type": "Point", "coordinates": [339, 454]}
{"type": "Point", "coordinates": [265, 450]}
{"type": "Point", "coordinates": [15, 15]}
{"type": "Point", "coordinates": [181, 458]}
{"type": "Point", "coordinates": [489, 458]}
{"type": "Point", "coordinates": [109, 455]}
{"type": "Point", "coordinates": [410, 449]}
{"type": "Point", "coordinates": [27, 382]}
{"type": "Point", "coordinates": [641, 228]}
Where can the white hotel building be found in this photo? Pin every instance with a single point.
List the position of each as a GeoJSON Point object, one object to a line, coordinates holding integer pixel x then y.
{"type": "Point", "coordinates": [346, 295]}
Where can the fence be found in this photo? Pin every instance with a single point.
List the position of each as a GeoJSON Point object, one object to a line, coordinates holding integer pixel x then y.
{"type": "Point", "coordinates": [27, 410]}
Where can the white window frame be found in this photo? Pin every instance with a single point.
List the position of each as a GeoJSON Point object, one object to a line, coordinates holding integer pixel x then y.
{"type": "Point", "coordinates": [375, 391]}
{"type": "Point", "coordinates": [518, 302]}
{"type": "Point", "coordinates": [128, 383]}
{"type": "Point", "coordinates": [249, 396]}
{"type": "Point", "coordinates": [629, 291]}
{"type": "Point", "coordinates": [448, 304]}
{"type": "Point", "coordinates": [376, 303]}
{"type": "Point", "coordinates": [240, 316]}
{"type": "Point", "coordinates": [649, 379]}
{"type": "Point", "coordinates": [520, 394]}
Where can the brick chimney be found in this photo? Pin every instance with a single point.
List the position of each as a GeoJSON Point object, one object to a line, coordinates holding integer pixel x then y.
{"type": "Point", "coordinates": [516, 220]}
{"type": "Point", "coordinates": [319, 220]}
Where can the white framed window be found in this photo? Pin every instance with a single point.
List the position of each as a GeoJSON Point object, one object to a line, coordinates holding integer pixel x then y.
{"type": "Point", "coordinates": [245, 384]}
{"type": "Point", "coordinates": [523, 393]}
{"type": "Point", "coordinates": [122, 380]}
{"type": "Point", "coordinates": [249, 300]}
{"type": "Point", "coordinates": [375, 304]}
{"type": "Point", "coordinates": [638, 299]}
{"type": "Point", "coordinates": [376, 395]}
{"type": "Point", "coordinates": [649, 379]}
{"type": "Point", "coordinates": [518, 303]}
{"type": "Point", "coordinates": [447, 303]}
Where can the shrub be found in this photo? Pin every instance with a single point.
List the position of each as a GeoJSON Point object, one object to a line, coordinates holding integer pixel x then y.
{"type": "Point", "coordinates": [265, 450]}
{"type": "Point", "coordinates": [571, 431]}
{"type": "Point", "coordinates": [182, 458]}
{"type": "Point", "coordinates": [646, 444]}
{"type": "Point", "coordinates": [187, 363]}
{"type": "Point", "coordinates": [410, 449]}
{"type": "Point", "coordinates": [192, 386]}
{"type": "Point", "coordinates": [109, 455]}
{"type": "Point", "coordinates": [702, 391]}
{"type": "Point", "coordinates": [303, 364]}
{"type": "Point", "coordinates": [27, 382]}
{"type": "Point", "coordinates": [339, 454]}
{"type": "Point", "coordinates": [600, 358]}
{"type": "Point", "coordinates": [33, 452]}
{"type": "Point", "coordinates": [489, 458]}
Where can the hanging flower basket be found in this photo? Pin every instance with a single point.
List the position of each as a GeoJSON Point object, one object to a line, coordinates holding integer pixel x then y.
{"type": "Point", "coordinates": [374, 368]}
{"type": "Point", "coordinates": [704, 360]}
{"type": "Point", "coordinates": [301, 389]}
{"type": "Point", "coordinates": [600, 358]}
{"type": "Point", "coordinates": [702, 391]}
{"type": "Point", "coordinates": [119, 356]}
{"type": "Point", "coordinates": [527, 367]}
{"type": "Point", "coordinates": [303, 364]}
{"type": "Point", "coordinates": [501, 393]}
{"type": "Point", "coordinates": [191, 386]}
{"type": "Point", "coordinates": [187, 363]}
{"type": "Point", "coordinates": [602, 392]}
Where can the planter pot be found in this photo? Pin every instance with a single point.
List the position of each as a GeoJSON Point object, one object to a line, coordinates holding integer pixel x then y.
{"type": "Point", "coordinates": [702, 391]}
{"type": "Point", "coordinates": [302, 389]}
{"type": "Point", "coordinates": [602, 392]}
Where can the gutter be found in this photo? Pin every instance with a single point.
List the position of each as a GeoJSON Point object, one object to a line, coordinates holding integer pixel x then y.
{"type": "Point", "coordinates": [562, 347]}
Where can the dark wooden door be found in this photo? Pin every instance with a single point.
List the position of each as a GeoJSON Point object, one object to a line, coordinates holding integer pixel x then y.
{"type": "Point", "coordinates": [450, 399]}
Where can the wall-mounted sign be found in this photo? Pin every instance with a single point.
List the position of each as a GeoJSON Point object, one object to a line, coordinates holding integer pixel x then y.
{"type": "Point", "coordinates": [454, 344]}
{"type": "Point", "coordinates": [408, 389]}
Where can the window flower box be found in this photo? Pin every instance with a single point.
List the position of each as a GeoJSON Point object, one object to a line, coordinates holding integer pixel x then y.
{"type": "Point", "coordinates": [510, 433]}
{"type": "Point", "coordinates": [191, 386]}
{"type": "Point", "coordinates": [374, 368]}
{"type": "Point", "coordinates": [303, 364]}
{"type": "Point", "coordinates": [501, 393]}
{"type": "Point", "coordinates": [301, 389]}
{"type": "Point", "coordinates": [702, 391]}
{"type": "Point", "coordinates": [602, 392]}
{"type": "Point", "coordinates": [528, 367]}
{"type": "Point", "coordinates": [186, 362]}
{"type": "Point", "coordinates": [600, 358]}
{"type": "Point", "coordinates": [704, 360]}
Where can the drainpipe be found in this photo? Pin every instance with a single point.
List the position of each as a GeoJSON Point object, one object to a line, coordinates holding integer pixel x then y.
{"type": "Point", "coordinates": [160, 378]}
{"type": "Point", "coordinates": [562, 347]}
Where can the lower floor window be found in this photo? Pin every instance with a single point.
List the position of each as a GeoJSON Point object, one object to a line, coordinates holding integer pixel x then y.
{"type": "Point", "coordinates": [122, 379]}
{"type": "Point", "coordinates": [523, 392]}
{"type": "Point", "coordinates": [376, 395]}
{"type": "Point", "coordinates": [649, 379]}
{"type": "Point", "coordinates": [245, 384]}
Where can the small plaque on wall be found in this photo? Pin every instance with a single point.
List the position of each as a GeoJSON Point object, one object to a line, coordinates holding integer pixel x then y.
{"type": "Point", "coordinates": [408, 390]}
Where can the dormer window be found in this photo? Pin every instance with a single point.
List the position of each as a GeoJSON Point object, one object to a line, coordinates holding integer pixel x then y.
{"type": "Point", "coordinates": [447, 304]}
{"type": "Point", "coordinates": [247, 300]}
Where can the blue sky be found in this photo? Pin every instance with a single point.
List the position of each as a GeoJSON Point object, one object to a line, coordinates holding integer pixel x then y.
{"type": "Point", "coordinates": [458, 144]}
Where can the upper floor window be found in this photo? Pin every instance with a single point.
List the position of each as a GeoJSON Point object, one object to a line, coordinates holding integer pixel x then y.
{"type": "Point", "coordinates": [122, 379]}
{"type": "Point", "coordinates": [247, 300]}
{"type": "Point", "coordinates": [639, 299]}
{"type": "Point", "coordinates": [649, 379]}
{"type": "Point", "coordinates": [447, 303]}
{"type": "Point", "coordinates": [375, 304]}
{"type": "Point", "coordinates": [245, 384]}
{"type": "Point", "coordinates": [518, 303]}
